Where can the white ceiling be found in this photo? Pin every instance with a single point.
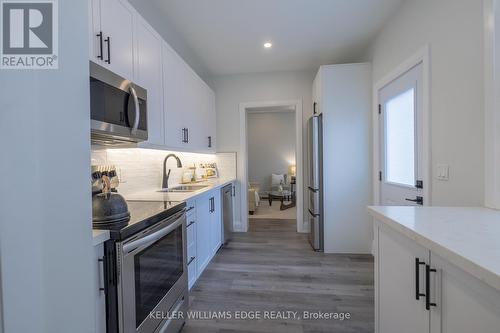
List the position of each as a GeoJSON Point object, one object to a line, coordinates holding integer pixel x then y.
{"type": "Point", "coordinates": [228, 35]}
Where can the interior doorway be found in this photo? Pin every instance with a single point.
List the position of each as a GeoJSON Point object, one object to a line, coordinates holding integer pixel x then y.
{"type": "Point", "coordinates": [271, 163]}
{"type": "Point", "coordinates": [273, 190]}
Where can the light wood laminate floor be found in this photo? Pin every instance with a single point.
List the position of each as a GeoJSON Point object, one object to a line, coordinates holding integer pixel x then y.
{"type": "Point", "coordinates": [272, 268]}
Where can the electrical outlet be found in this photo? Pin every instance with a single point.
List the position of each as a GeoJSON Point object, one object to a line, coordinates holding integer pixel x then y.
{"type": "Point", "coordinates": [443, 172]}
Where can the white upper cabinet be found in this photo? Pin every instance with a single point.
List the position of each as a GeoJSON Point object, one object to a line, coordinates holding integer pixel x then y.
{"type": "Point", "coordinates": [189, 106]}
{"type": "Point", "coordinates": [148, 74]}
{"type": "Point", "coordinates": [112, 35]}
{"type": "Point", "coordinates": [176, 99]}
{"type": "Point", "coordinates": [181, 106]}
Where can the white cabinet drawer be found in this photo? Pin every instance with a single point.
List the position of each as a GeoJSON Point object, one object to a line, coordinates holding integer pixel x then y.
{"type": "Point", "coordinates": [192, 273]}
{"type": "Point", "coordinates": [191, 233]}
{"type": "Point", "coordinates": [191, 251]}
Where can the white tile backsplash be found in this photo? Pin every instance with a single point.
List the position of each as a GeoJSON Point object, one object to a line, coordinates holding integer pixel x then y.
{"type": "Point", "coordinates": [141, 169]}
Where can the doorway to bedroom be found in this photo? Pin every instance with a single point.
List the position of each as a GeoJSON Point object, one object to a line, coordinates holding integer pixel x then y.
{"type": "Point", "coordinates": [272, 166]}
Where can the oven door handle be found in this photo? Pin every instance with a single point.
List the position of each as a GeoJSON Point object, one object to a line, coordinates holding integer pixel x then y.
{"type": "Point", "coordinates": [137, 110]}
{"type": "Point", "coordinates": [151, 238]}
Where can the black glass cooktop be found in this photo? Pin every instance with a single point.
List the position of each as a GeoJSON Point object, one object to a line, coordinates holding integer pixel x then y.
{"type": "Point", "coordinates": [143, 214]}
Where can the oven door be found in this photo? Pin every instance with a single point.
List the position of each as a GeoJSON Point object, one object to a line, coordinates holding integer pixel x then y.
{"type": "Point", "coordinates": [153, 274]}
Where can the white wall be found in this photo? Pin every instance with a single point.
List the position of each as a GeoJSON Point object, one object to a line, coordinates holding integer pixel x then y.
{"type": "Point", "coordinates": [453, 29]}
{"type": "Point", "coordinates": [231, 90]}
{"type": "Point", "coordinates": [271, 145]}
{"type": "Point", "coordinates": [45, 200]}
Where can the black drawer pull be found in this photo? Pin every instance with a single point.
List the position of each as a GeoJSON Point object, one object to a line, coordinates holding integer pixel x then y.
{"type": "Point", "coordinates": [428, 302]}
{"type": "Point", "coordinates": [190, 224]}
{"type": "Point", "coordinates": [100, 56]}
{"type": "Point", "coordinates": [417, 278]}
{"type": "Point", "coordinates": [191, 260]}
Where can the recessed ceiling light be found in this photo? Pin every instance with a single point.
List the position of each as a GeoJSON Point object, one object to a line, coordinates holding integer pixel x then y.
{"type": "Point", "coordinates": [268, 45]}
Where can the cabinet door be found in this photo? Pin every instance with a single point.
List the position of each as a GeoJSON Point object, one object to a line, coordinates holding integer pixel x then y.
{"type": "Point", "coordinates": [212, 121]}
{"type": "Point", "coordinates": [203, 218]}
{"type": "Point", "coordinates": [99, 296]}
{"type": "Point", "coordinates": [148, 72]}
{"type": "Point", "coordinates": [464, 304]}
{"type": "Point", "coordinates": [209, 120]}
{"type": "Point", "coordinates": [117, 25]}
{"type": "Point", "coordinates": [176, 97]}
{"type": "Point", "coordinates": [398, 309]}
{"type": "Point", "coordinates": [216, 223]}
{"type": "Point", "coordinates": [95, 32]}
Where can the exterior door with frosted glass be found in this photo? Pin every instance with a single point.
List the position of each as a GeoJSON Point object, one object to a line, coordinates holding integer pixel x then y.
{"type": "Point", "coordinates": [400, 113]}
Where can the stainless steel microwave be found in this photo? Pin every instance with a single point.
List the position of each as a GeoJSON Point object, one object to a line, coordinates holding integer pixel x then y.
{"type": "Point", "coordinates": [118, 108]}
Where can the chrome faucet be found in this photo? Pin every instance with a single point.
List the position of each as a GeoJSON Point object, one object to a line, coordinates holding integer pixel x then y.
{"type": "Point", "coordinates": [165, 174]}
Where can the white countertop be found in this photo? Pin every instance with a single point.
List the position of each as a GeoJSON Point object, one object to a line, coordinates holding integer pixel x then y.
{"type": "Point", "coordinates": [100, 236]}
{"type": "Point", "coordinates": [467, 237]}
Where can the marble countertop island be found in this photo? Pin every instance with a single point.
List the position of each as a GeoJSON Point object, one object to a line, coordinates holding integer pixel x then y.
{"type": "Point", "coordinates": [468, 237]}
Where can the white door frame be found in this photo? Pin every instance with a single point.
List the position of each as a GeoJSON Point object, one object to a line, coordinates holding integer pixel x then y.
{"type": "Point", "coordinates": [243, 158]}
{"type": "Point", "coordinates": [421, 56]}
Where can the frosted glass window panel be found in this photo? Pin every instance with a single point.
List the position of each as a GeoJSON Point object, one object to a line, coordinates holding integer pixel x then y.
{"type": "Point", "coordinates": [400, 138]}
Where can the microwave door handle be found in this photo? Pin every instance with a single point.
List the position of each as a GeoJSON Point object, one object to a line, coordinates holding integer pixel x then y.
{"type": "Point", "coordinates": [137, 110]}
{"type": "Point", "coordinates": [151, 238]}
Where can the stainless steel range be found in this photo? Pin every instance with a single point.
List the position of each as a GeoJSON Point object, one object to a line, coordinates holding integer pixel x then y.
{"type": "Point", "coordinates": [147, 288]}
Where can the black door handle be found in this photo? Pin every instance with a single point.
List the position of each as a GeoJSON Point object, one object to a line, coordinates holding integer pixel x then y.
{"type": "Point", "coordinates": [100, 56]}
{"type": "Point", "coordinates": [418, 200]}
{"type": "Point", "coordinates": [417, 278]}
{"type": "Point", "coordinates": [428, 302]}
{"type": "Point", "coordinates": [108, 41]}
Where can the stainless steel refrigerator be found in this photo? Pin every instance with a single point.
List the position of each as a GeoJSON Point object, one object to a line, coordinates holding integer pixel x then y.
{"type": "Point", "coordinates": [315, 183]}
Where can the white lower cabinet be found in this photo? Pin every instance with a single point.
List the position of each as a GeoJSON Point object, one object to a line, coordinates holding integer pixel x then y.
{"type": "Point", "coordinates": [216, 223]}
{"type": "Point", "coordinates": [191, 237]}
{"type": "Point", "coordinates": [428, 295]}
{"type": "Point", "coordinates": [208, 228]}
{"type": "Point", "coordinates": [464, 304]}
{"type": "Point", "coordinates": [99, 296]}
{"type": "Point", "coordinates": [399, 310]}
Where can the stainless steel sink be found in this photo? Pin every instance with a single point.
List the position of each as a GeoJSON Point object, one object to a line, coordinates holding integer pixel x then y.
{"type": "Point", "coordinates": [184, 188]}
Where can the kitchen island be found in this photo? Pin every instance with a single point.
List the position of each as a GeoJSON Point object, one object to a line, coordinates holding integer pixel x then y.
{"type": "Point", "coordinates": [437, 269]}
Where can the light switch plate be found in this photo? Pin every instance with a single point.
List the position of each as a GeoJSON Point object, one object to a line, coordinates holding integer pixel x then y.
{"type": "Point", "coordinates": [443, 172]}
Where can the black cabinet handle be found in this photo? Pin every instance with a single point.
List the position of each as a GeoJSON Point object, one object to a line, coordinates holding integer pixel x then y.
{"type": "Point", "coordinates": [190, 224]}
{"type": "Point", "coordinates": [417, 278]}
{"type": "Point", "coordinates": [108, 41]}
{"type": "Point", "coordinates": [187, 135]}
{"type": "Point", "coordinates": [418, 200]}
{"type": "Point", "coordinates": [189, 209]}
{"type": "Point", "coordinates": [428, 302]}
{"type": "Point", "coordinates": [212, 205]}
{"type": "Point", "coordinates": [191, 260]}
{"type": "Point", "coordinates": [234, 191]}
{"type": "Point", "coordinates": [209, 142]}
{"type": "Point", "coordinates": [100, 55]}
